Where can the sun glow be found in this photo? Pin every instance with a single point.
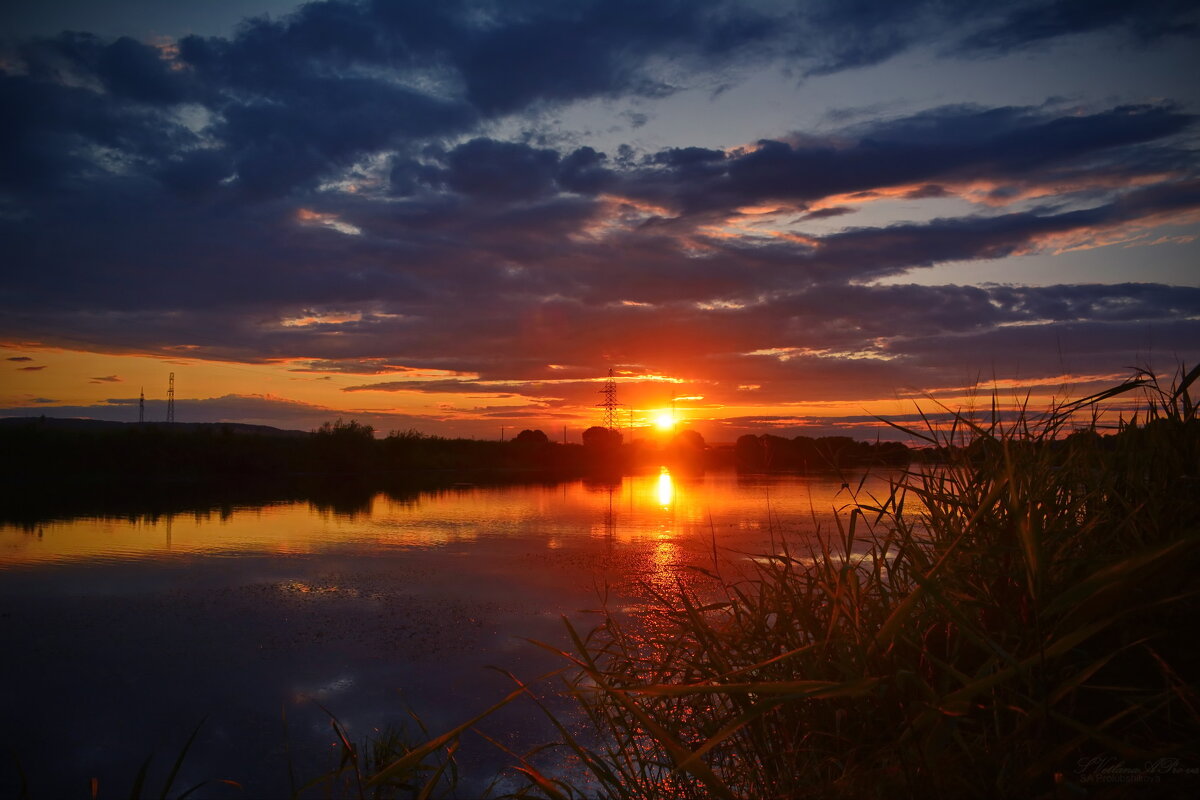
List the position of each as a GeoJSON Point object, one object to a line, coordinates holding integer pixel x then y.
{"type": "Point", "coordinates": [665, 421]}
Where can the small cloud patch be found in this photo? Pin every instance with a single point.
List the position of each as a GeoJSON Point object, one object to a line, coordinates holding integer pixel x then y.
{"type": "Point", "coordinates": [309, 217]}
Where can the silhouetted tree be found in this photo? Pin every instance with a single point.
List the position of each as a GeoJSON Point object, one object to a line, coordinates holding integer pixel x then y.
{"type": "Point", "coordinates": [344, 446]}
{"type": "Point", "coordinates": [748, 452]}
{"type": "Point", "coordinates": [779, 453]}
{"type": "Point", "coordinates": [603, 448]}
{"type": "Point", "coordinates": [346, 430]}
{"type": "Point", "coordinates": [532, 437]}
{"type": "Point", "coordinates": [687, 447]}
{"type": "Point", "coordinates": [598, 437]}
{"type": "Point", "coordinates": [689, 439]}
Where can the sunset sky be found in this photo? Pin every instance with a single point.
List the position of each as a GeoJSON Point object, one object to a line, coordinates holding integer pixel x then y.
{"type": "Point", "coordinates": [458, 216]}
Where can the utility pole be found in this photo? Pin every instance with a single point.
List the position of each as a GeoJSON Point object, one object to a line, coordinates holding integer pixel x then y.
{"type": "Point", "coordinates": [171, 398]}
{"type": "Point", "coordinates": [141, 405]}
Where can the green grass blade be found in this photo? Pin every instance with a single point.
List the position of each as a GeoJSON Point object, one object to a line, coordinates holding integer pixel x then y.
{"type": "Point", "coordinates": [179, 761]}
{"type": "Point", "coordinates": [136, 792]}
{"type": "Point", "coordinates": [411, 759]}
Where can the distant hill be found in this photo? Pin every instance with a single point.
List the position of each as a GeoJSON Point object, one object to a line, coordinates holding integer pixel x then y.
{"type": "Point", "coordinates": [80, 424]}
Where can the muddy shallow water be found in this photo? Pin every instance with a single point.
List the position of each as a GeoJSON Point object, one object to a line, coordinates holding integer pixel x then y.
{"type": "Point", "coordinates": [121, 634]}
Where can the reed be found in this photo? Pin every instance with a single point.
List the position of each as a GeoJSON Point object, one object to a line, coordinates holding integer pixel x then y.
{"type": "Point", "coordinates": [1000, 625]}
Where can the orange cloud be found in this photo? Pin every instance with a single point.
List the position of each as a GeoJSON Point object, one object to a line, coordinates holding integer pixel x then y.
{"type": "Point", "coordinates": [1129, 234]}
{"type": "Point", "coordinates": [307, 216]}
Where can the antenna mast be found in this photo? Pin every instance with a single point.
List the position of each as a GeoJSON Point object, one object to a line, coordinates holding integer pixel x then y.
{"type": "Point", "coordinates": [141, 405]}
{"type": "Point", "coordinates": [610, 403]}
{"type": "Point", "coordinates": [171, 399]}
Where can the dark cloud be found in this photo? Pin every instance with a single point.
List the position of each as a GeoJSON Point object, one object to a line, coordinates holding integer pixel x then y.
{"type": "Point", "coordinates": [1026, 23]}
{"type": "Point", "coordinates": [128, 70]}
{"type": "Point", "coordinates": [826, 213]}
{"type": "Point", "coordinates": [106, 379]}
{"type": "Point", "coordinates": [844, 36]}
{"type": "Point", "coordinates": [863, 253]}
{"type": "Point", "coordinates": [438, 387]}
{"type": "Point", "coordinates": [54, 130]}
{"type": "Point", "coordinates": [583, 171]}
{"type": "Point", "coordinates": [31, 369]}
{"type": "Point", "coordinates": [837, 35]}
{"type": "Point", "coordinates": [19, 358]}
{"type": "Point", "coordinates": [556, 52]}
{"type": "Point", "coordinates": [354, 366]}
{"type": "Point", "coordinates": [1080, 346]}
{"type": "Point", "coordinates": [960, 144]}
{"type": "Point", "coordinates": [501, 170]}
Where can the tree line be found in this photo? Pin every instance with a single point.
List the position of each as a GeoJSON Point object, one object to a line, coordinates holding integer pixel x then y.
{"type": "Point", "coordinates": [39, 448]}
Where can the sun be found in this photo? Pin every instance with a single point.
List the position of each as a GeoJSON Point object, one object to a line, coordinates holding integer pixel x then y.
{"type": "Point", "coordinates": [665, 421]}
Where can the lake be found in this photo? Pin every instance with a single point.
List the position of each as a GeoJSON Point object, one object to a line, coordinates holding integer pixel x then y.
{"type": "Point", "coordinates": [122, 633]}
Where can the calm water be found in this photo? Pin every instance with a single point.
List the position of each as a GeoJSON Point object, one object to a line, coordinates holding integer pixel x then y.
{"type": "Point", "coordinates": [121, 634]}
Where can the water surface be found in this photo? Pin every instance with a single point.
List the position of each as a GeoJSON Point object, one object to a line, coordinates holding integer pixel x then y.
{"type": "Point", "coordinates": [123, 632]}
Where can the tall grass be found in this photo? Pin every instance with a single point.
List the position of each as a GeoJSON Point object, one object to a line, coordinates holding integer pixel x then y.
{"type": "Point", "coordinates": [1011, 623]}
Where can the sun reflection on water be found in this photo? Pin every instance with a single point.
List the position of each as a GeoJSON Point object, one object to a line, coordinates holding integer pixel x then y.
{"type": "Point", "coordinates": [666, 488]}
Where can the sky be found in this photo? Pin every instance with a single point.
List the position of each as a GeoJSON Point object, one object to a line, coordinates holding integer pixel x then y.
{"type": "Point", "coordinates": [457, 217]}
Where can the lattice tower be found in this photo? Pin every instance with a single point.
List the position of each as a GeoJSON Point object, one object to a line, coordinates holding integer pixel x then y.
{"type": "Point", "coordinates": [610, 404]}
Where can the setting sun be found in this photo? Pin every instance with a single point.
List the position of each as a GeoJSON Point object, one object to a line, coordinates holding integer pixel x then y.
{"type": "Point", "coordinates": [665, 421]}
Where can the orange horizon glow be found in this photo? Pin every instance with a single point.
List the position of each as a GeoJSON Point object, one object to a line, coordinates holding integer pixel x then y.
{"type": "Point", "coordinates": [110, 384]}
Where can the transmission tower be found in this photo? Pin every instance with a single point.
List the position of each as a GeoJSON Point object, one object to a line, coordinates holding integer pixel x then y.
{"type": "Point", "coordinates": [141, 405]}
{"type": "Point", "coordinates": [610, 404]}
{"type": "Point", "coordinates": [171, 399]}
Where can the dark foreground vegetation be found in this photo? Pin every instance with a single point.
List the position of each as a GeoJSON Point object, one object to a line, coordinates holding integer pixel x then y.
{"type": "Point", "coordinates": [1016, 623]}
